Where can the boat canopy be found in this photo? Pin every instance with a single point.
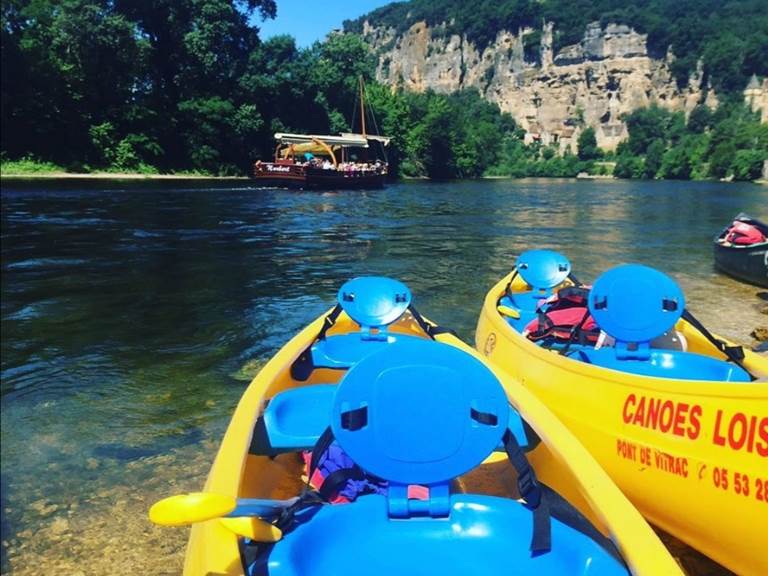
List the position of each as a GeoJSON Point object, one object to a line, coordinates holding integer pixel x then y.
{"type": "Point", "coordinates": [371, 137]}
{"type": "Point", "coordinates": [346, 141]}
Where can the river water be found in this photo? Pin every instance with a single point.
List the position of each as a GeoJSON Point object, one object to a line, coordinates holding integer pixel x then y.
{"type": "Point", "coordinates": [134, 315]}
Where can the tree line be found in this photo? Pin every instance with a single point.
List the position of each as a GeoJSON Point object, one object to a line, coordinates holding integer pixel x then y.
{"type": "Point", "coordinates": [729, 142]}
{"type": "Point", "coordinates": [188, 85]}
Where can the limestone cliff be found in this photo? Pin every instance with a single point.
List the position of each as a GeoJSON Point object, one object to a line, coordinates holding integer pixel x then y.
{"type": "Point", "coordinates": [756, 97]}
{"type": "Point", "coordinates": [591, 83]}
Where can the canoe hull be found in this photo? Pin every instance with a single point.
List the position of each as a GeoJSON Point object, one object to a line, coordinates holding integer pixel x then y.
{"type": "Point", "coordinates": [746, 263]}
{"type": "Point", "coordinates": [692, 456]}
{"type": "Point", "coordinates": [559, 461]}
{"type": "Point", "coordinates": [306, 177]}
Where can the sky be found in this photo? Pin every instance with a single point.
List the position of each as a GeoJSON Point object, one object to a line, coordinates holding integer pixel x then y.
{"type": "Point", "coordinates": [308, 21]}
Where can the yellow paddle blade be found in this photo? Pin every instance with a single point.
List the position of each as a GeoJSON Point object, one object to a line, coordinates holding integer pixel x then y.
{"type": "Point", "coordinates": [185, 509]}
{"type": "Point", "coordinates": [495, 457]}
{"type": "Point", "coordinates": [507, 311]}
{"type": "Point", "coordinates": [253, 528]}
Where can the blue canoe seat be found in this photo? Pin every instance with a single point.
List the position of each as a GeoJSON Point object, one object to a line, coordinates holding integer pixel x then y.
{"type": "Point", "coordinates": [341, 351]}
{"type": "Point", "coordinates": [373, 302]}
{"type": "Point", "coordinates": [525, 306]}
{"type": "Point", "coordinates": [542, 270]}
{"type": "Point", "coordinates": [294, 419]}
{"type": "Point", "coordinates": [666, 364]}
{"type": "Point", "coordinates": [422, 412]}
{"type": "Point", "coordinates": [483, 535]}
{"type": "Point", "coordinates": [636, 304]}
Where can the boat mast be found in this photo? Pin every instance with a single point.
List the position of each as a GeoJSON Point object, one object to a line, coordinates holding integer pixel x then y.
{"type": "Point", "coordinates": [362, 105]}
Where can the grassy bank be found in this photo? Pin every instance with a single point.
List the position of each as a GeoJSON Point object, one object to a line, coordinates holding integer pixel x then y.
{"type": "Point", "coordinates": [115, 176]}
{"type": "Point", "coordinates": [28, 166]}
{"type": "Point", "coordinates": [33, 168]}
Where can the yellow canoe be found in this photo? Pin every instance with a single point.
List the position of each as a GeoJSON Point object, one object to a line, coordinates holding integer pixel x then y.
{"type": "Point", "coordinates": [691, 455]}
{"type": "Point", "coordinates": [559, 459]}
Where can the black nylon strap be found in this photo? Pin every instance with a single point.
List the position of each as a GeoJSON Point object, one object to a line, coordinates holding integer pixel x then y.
{"type": "Point", "coordinates": [260, 444]}
{"type": "Point", "coordinates": [307, 499]}
{"type": "Point", "coordinates": [578, 291]}
{"type": "Point", "coordinates": [321, 447]}
{"type": "Point", "coordinates": [734, 353]}
{"type": "Point", "coordinates": [430, 330]}
{"type": "Point", "coordinates": [531, 492]}
{"type": "Point", "coordinates": [302, 367]}
{"type": "Point", "coordinates": [575, 331]}
{"type": "Point", "coordinates": [336, 480]}
{"type": "Point", "coordinates": [508, 288]}
{"type": "Point", "coordinates": [575, 280]}
{"type": "Point", "coordinates": [329, 321]}
{"type": "Point", "coordinates": [544, 329]}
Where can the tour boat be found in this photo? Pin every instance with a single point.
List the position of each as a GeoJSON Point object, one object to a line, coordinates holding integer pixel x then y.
{"type": "Point", "coordinates": [316, 161]}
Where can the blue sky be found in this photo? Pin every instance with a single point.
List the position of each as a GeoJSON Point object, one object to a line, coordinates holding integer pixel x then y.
{"type": "Point", "coordinates": [308, 21]}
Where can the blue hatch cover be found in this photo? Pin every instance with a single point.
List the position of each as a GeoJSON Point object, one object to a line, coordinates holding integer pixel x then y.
{"type": "Point", "coordinates": [543, 268]}
{"type": "Point", "coordinates": [635, 303]}
{"type": "Point", "coordinates": [419, 412]}
{"type": "Point", "coordinates": [374, 301]}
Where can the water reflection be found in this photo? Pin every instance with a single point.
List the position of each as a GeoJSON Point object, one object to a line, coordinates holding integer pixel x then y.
{"type": "Point", "coordinates": [132, 316]}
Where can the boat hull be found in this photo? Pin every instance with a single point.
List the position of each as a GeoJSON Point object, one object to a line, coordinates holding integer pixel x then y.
{"type": "Point", "coordinates": [559, 460]}
{"type": "Point", "coordinates": [746, 263]}
{"type": "Point", "coordinates": [698, 468]}
{"type": "Point", "coordinates": [306, 177]}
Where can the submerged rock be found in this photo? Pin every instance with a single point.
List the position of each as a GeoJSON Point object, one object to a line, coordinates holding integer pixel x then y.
{"type": "Point", "coordinates": [248, 371]}
{"type": "Point", "coordinates": [760, 334]}
{"type": "Point", "coordinates": [60, 526]}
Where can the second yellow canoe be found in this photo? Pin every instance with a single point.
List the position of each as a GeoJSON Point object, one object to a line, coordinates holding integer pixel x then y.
{"type": "Point", "coordinates": [692, 455]}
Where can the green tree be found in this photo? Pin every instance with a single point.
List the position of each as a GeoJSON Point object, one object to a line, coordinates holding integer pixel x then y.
{"type": "Point", "coordinates": [699, 119]}
{"type": "Point", "coordinates": [676, 164]}
{"type": "Point", "coordinates": [628, 166]}
{"type": "Point", "coordinates": [721, 159]}
{"type": "Point", "coordinates": [653, 159]}
{"type": "Point", "coordinates": [587, 144]}
{"type": "Point", "coordinates": [646, 125]}
{"type": "Point", "coordinates": [748, 164]}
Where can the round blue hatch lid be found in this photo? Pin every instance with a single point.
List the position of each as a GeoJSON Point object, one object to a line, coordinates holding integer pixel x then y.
{"type": "Point", "coordinates": [635, 303]}
{"type": "Point", "coordinates": [543, 268]}
{"type": "Point", "coordinates": [419, 412]}
{"type": "Point", "coordinates": [374, 300]}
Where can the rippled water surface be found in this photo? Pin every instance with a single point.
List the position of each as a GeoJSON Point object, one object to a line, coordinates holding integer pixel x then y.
{"type": "Point", "coordinates": [133, 317]}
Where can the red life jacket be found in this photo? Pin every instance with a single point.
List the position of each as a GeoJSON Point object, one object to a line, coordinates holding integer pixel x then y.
{"type": "Point", "coordinates": [743, 233]}
{"type": "Point", "coordinates": [564, 316]}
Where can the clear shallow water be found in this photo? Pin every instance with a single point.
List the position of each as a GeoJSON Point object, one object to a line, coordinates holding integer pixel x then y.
{"type": "Point", "coordinates": [133, 317]}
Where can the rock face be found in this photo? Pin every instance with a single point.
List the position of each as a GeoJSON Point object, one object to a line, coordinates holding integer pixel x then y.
{"type": "Point", "coordinates": [756, 97]}
{"type": "Point", "coordinates": [591, 83]}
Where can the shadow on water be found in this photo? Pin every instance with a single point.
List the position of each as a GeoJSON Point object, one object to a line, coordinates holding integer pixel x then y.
{"type": "Point", "coordinates": [161, 445]}
{"type": "Point", "coordinates": [134, 314]}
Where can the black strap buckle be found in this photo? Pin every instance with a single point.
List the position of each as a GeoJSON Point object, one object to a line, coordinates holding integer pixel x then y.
{"type": "Point", "coordinates": [736, 352]}
{"type": "Point", "coordinates": [529, 489]}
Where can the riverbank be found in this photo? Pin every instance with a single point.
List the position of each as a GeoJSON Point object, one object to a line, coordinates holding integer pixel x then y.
{"type": "Point", "coordinates": [112, 176]}
{"type": "Point", "coordinates": [192, 176]}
